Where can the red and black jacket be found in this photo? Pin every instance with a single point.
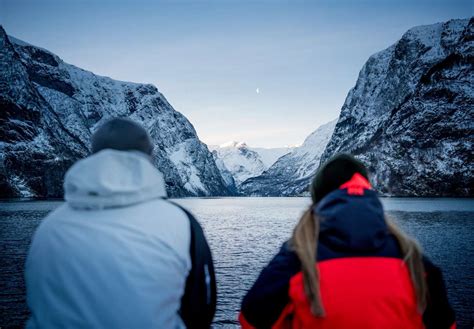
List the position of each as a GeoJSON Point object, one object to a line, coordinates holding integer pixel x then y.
{"type": "Point", "coordinates": [363, 280]}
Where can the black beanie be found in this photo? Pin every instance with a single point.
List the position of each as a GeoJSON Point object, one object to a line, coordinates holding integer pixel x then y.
{"type": "Point", "coordinates": [123, 135]}
{"type": "Point", "coordinates": [335, 172]}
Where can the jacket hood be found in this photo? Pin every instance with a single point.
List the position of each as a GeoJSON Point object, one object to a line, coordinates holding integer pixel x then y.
{"type": "Point", "coordinates": [352, 218]}
{"type": "Point", "coordinates": [112, 178]}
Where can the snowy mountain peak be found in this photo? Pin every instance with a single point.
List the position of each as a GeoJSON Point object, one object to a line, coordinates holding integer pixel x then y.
{"type": "Point", "coordinates": [233, 144]}
{"type": "Point", "coordinates": [243, 161]}
{"type": "Point", "coordinates": [240, 161]}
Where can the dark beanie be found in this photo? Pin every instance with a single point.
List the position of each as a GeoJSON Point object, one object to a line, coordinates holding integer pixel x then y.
{"type": "Point", "coordinates": [335, 172]}
{"type": "Point", "coordinates": [123, 135]}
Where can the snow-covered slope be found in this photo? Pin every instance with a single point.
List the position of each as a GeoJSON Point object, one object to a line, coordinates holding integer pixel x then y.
{"type": "Point", "coordinates": [226, 174]}
{"type": "Point", "coordinates": [238, 159]}
{"type": "Point", "coordinates": [270, 155]}
{"type": "Point", "coordinates": [244, 162]}
{"type": "Point", "coordinates": [410, 116]}
{"type": "Point", "coordinates": [291, 174]}
{"type": "Point", "coordinates": [49, 109]}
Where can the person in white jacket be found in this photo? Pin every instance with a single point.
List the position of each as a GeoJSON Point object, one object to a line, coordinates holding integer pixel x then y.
{"type": "Point", "coordinates": [117, 254]}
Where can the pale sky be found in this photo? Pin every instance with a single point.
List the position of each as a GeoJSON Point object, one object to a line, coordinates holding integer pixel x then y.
{"type": "Point", "coordinates": [209, 57]}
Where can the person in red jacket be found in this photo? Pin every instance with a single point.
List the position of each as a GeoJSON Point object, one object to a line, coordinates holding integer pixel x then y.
{"type": "Point", "coordinates": [347, 266]}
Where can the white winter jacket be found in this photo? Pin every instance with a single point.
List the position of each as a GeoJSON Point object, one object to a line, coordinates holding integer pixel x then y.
{"type": "Point", "coordinates": [115, 255]}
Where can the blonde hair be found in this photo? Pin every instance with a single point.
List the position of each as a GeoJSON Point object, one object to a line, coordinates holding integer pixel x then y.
{"type": "Point", "coordinates": [304, 242]}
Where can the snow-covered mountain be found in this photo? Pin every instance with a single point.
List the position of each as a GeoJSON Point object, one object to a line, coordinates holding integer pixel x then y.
{"type": "Point", "coordinates": [243, 162]}
{"type": "Point", "coordinates": [291, 174]}
{"type": "Point", "coordinates": [238, 160]}
{"type": "Point", "coordinates": [49, 109]}
{"type": "Point", "coordinates": [410, 116]}
{"type": "Point", "coordinates": [270, 155]}
{"type": "Point", "coordinates": [225, 173]}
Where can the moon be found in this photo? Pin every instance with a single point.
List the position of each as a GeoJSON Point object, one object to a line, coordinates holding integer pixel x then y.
{"type": "Point", "coordinates": [257, 91]}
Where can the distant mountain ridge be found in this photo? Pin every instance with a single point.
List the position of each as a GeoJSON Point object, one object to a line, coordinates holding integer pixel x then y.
{"type": "Point", "coordinates": [243, 162]}
{"type": "Point", "coordinates": [291, 174]}
{"type": "Point", "coordinates": [49, 109]}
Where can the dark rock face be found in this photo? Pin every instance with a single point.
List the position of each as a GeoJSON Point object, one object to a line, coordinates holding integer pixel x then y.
{"type": "Point", "coordinates": [49, 109]}
{"type": "Point", "coordinates": [410, 117]}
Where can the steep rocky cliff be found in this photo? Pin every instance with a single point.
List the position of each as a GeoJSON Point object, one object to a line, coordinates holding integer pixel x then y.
{"type": "Point", "coordinates": [410, 116]}
{"type": "Point", "coordinates": [49, 109]}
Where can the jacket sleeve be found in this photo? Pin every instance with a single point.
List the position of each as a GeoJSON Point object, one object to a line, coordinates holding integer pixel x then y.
{"type": "Point", "coordinates": [198, 304]}
{"type": "Point", "coordinates": [438, 313]}
{"type": "Point", "coordinates": [268, 297]}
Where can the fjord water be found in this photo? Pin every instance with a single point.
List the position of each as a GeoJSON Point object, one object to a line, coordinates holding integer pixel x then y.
{"type": "Point", "coordinates": [245, 233]}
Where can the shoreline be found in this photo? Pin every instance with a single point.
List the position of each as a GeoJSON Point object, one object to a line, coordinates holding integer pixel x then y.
{"type": "Point", "coordinates": [32, 199]}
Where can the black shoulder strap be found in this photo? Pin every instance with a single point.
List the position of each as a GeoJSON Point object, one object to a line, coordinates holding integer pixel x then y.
{"type": "Point", "coordinates": [198, 304]}
{"type": "Point", "coordinates": [438, 313]}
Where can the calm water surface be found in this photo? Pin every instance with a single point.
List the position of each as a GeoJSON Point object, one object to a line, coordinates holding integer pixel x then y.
{"type": "Point", "coordinates": [245, 233]}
